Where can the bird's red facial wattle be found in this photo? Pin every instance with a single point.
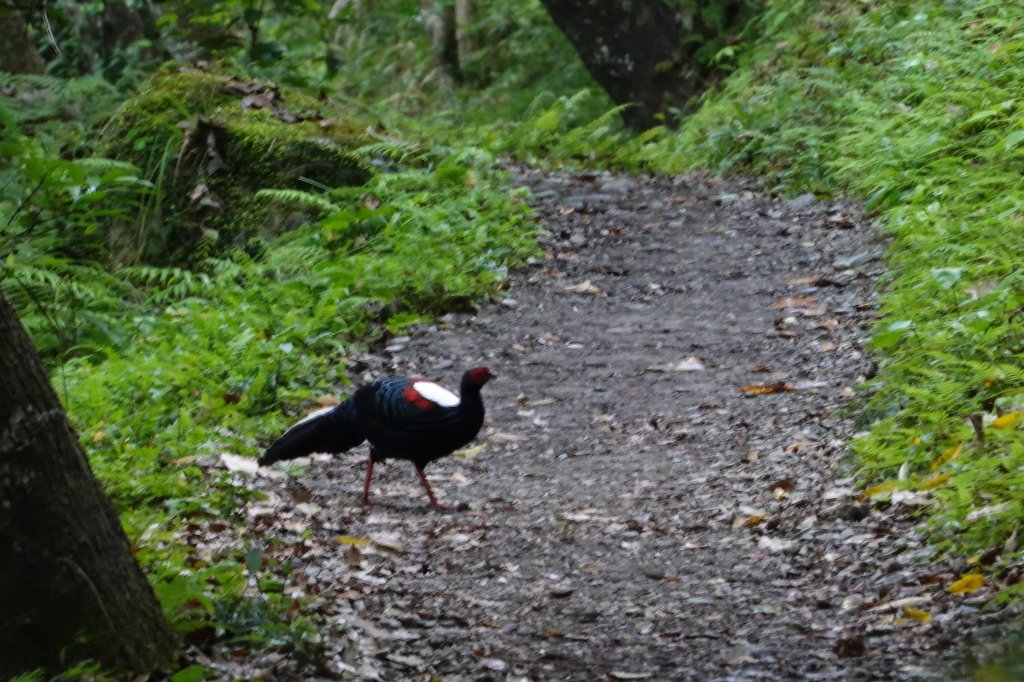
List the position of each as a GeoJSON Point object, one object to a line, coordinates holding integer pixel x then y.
{"type": "Point", "coordinates": [480, 375]}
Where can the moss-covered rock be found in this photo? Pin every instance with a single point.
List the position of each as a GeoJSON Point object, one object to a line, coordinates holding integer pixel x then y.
{"type": "Point", "coordinates": [209, 141]}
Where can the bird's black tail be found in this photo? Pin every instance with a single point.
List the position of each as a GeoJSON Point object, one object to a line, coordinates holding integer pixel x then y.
{"type": "Point", "coordinates": [335, 429]}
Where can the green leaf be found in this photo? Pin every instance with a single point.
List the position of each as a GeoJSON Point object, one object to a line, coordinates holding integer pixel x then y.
{"type": "Point", "coordinates": [1013, 139]}
{"type": "Point", "coordinates": [253, 561]}
{"type": "Point", "coordinates": [193, 673]}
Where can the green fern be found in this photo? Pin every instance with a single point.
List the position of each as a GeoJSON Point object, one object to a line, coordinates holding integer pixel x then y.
{"type": "Point", "coordinates": [298, 199]}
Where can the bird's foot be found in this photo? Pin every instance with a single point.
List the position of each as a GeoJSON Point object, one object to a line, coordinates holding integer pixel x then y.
{"type": "Point", "coordinates": [434, 504]}
{"type": "Point", "coordinates": [367, 501]}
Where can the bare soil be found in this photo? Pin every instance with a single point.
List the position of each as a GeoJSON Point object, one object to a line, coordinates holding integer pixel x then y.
{"type": "Point", "coordinates": [633, 512]}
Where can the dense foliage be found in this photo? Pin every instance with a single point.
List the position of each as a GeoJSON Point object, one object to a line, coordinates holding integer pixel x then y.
{"type": "Point", "coordinates": [915, 108]}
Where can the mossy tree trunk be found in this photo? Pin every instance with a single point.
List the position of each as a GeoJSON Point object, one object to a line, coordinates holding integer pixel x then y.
{"type": "Point", "coordinates": [642, 52]}
{"type": "Point", "coordinates": [70, 588]}
{"type": "Point", "coordinates": [18, 54]}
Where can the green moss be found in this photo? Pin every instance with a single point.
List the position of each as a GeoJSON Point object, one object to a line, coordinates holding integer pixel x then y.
{"type": "Point", "coordinates": [208, 141]}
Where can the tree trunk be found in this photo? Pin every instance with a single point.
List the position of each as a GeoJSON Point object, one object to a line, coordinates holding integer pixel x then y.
{"type": "Point", "coordinates": [19, 53]}
{"type": "Point", "coordinates": [442, 27]}
{"type": "Point", "coordinates": [464, 18]}
{"type": "Point", "coordinates": [634, 50]}
{"type": "Point", "coordinates": [70, 588]}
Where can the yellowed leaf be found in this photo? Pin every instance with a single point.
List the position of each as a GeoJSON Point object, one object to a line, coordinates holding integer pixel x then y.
{"type": "Point", "coordinates": [947, 456]}
{"type": "Point", "coordinates": [883, 489]}
{"type": "Point", "coordinates": [918, 615]}
{"type": "Point", "coordinates": [352, 540]}
{"type": "Point", "coordinates": [935, 481]}
{"type": "Point", "coordinates": [1006, 421]}
{"type": "Point", "coordinates": [753, 520]}
{"type": "Point", "coordinates": [970, 582]}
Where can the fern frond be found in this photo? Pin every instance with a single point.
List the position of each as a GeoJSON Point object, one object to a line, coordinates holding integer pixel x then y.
{"type": "Point", "coordinates": [297, 198]}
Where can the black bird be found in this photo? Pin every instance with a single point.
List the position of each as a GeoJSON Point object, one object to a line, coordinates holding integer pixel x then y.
{"type": "Point", "coordinates": [413, 419]}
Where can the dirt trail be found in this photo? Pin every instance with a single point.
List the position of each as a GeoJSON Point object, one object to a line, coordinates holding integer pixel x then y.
{"type": "Point", "coordinates": [630, 515]}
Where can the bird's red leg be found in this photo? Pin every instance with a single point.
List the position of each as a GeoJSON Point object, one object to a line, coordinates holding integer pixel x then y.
{"type": "Point", "coordinates": [430, 493]}
{"type": "Point", "coordinates": [366, 485]}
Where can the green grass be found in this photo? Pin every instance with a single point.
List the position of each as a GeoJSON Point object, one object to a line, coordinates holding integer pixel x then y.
{"type": "Point", "coordinates": [918, 109]}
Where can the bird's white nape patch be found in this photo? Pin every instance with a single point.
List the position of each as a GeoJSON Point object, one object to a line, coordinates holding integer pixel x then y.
{"type": "Point", "coordinates": [436, 393]}
{"type": "Point", "coordinates": [311, 416]}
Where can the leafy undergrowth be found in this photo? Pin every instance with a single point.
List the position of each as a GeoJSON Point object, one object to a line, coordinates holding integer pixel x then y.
{"type": "Point", "coordinates": [919, 109]}
{"type": "Point", "coordinates": [162, 369]}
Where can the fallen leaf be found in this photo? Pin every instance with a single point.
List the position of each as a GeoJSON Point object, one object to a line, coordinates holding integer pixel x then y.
{"type": "Point", "coordinates": [826, 346]}
{"type": "Point", "coordinates": [968, 583]}
{"type": "Point", "coordinates": [806, 281]}
{"type": "Point", "coordinates": [847, 647]}
{"type": "Point", "coordinates": [773, 544]}
{"type": "Point", "coordinates": [690, 364]}
{"type": "Point", "coordinates": [794, 302]}
{"type": "Point", "coordinates": [881, 490]}
{"type": "Point", "coordinates": [246, 465]}
{"type": "Point", "coordinates": [470, 453]}
{"type": "Point", "coordinates": [387, 542]}
{"type": "Point", "coordinates": [585, 287]}
{"type": "Point", "coordinates": [901, 603]}
{"type": "Point", "coordinates": [935, 481]}
{"type": "Point", "coordinates": [765, 389]}
{"type": "Point", "coordinates": [786, 485]}
{"type": "Point", "coordinates": [551, 632]}
{"type": "Point", "coordinates": [352, 556]}
{"type": "Point", "coordinates": [1006, 421]}
{"type": "Point", "coordinates": [947, 456]}
{"type": "Point", "coordinates": [351, 540]}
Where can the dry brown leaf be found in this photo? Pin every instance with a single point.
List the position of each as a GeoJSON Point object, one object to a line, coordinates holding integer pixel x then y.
{"type": "Point", "coordinates": [765, 389]}
{"type": "Point", "coordinates": [795, 302]}
{"type": "Point", "coordinates": [586, 287]}
{"type": "Point", "coordinates": [806, 281]}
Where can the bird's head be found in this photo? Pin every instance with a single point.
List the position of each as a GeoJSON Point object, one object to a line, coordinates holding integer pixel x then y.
{"type": "Point", "coordinates": [478, 376]}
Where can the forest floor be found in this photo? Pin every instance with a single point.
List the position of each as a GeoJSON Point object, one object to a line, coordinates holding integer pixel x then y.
{"type": "Point", "coordinates": [637, 508]}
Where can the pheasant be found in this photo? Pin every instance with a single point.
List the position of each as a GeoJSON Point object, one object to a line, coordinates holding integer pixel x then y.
{"type": "Point", "coordinates": [413, 419]}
